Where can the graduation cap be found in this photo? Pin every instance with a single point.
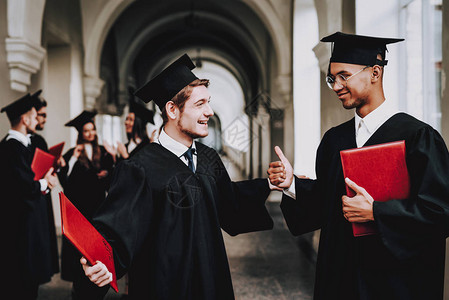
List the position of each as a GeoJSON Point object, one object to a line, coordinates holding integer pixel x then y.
{"type": "Point", "coordinates": [81, 119]}
{"type": "Point", "coordinates": [18, 107]}
{"type": "Point", "coordinates": [141, 111]}
{"type": "Point", "coordinates": [358, 49]}
{"type": "Point", "coordinates": [169, 82]}
{"type": "Point", "coordinates": [38, 103]}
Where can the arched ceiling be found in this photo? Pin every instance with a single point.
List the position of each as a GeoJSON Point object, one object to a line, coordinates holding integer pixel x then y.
{"type": "Point", "coordinates": [149, 36]}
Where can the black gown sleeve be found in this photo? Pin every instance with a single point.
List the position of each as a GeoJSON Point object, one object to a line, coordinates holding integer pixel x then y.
{"type": "Point", "coordinates": [123, 219]}
{"type": "Point", "coordinates": [107, 163]}
{"type": "Point", "coordinates": [125, 216]}
{"type": "Point", "coordinates": [306, 212]}
{"type": "Point", "coordinates": [303, 214]}
{"type": "Point", "coordinates": [407, 226]}
{"type": "Point", "coordinates": [242, 204]}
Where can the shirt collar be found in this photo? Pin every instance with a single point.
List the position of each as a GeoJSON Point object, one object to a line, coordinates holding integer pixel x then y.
{"type": "Point", "coordinates": [24, 139]}
{"type": "Point", "coordinates": [376, 118]}
{"type": "Point", "coordinates": [173, 145]}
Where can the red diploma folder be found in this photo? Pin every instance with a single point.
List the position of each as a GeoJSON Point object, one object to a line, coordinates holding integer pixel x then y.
{"type": "Point", "coordinates": [56, 151]}
{"type": "Point", "coordinates": [381, 170]}
{"type": "Point", "coordinates": [80, 232]}
{"type": "Point", "coordinates": [42, 162]}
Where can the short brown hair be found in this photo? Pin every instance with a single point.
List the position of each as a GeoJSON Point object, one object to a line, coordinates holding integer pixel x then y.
{"type": "Point", "coordinates": [183, 95]}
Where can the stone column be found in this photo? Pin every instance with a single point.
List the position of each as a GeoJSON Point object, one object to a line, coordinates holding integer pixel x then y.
{"type": "Point", "coordinates": [24, 52]}
{"type": "Point", "coordinates": [92, 89]}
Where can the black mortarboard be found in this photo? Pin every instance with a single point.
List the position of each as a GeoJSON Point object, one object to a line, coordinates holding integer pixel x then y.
{"type": "Point", "coordinates": [169, 82]}
{"type": "Point", "coordinates": [81, 119]}
{"type": "Point", "coordinates": [358, 49]}
{"type": "Point", "coordinates": [38, 103]}
{"type": "Point", "coordinates": [141, 111]}
{"type": "Point", "coordinates": [18, 107]}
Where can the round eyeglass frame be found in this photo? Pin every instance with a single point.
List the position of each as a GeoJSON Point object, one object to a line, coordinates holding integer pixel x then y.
{"type": "Point", "coordinates": [341, 79]}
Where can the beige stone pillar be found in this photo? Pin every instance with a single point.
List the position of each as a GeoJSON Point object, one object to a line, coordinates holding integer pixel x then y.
{"type": "Point", "coordinates": [24, 52]}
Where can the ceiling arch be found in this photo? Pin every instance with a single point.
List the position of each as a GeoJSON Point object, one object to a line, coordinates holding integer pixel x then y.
{"type": "Point", "coordinates": [99, 20]}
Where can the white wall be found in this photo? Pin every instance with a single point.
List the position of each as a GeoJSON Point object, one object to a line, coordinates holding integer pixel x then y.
{"type": "Point", "coordinates": [306, 87]}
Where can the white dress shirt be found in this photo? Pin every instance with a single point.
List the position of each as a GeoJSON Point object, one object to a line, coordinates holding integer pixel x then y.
{"type": "Point", "coordinates": [26, 141]}
{"type": "Point", "coordinates": [364, 129]}
{"type": "Point", "coordinates": [176, 147]}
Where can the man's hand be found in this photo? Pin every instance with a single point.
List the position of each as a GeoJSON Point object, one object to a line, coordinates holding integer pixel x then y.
{"type": "Point", "coordinates": [360, 207]}
{"type": "Point", "coordinates": [52, 181]}
{"type": "Point", "coordinates": [280, 173]}
{"type": "Point", "coordinates": [97, 273]}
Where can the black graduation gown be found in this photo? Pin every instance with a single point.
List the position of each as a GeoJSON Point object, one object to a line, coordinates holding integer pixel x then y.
{"type": "Point", "coordinates": [406, 259]}
{"type": "Point", "coordinates": [38, 141]}
{"type": "Point", "coordinates": [24, 220]}
{"type": "Point", "coordinates": [83, 188]}
{"type": "Point", "coordinates": [164, 223]}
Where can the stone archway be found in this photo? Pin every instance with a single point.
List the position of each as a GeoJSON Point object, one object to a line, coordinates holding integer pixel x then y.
{"type": "Point", "coordinates": [98, 18]}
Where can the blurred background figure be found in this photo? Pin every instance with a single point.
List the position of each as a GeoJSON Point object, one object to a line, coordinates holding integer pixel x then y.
{"type": "Point", "coordinates": [38, 141]}
{"type": "Point", "coordinates": [24, 218]}
{"type": "Point", "coordinates": [136, 130]}
{"type": "Point", "coordinates": [85, 180]}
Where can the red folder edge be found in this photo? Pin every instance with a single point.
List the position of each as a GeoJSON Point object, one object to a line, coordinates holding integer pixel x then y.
{"type": "Point", "coordinates": [56, 151]}
{"type": "Point", "coordinates": [42, 162]}
{"type": "Point", "coordinates": [364, 176]}
{"type": "Point", "coordinates": [103, 254]}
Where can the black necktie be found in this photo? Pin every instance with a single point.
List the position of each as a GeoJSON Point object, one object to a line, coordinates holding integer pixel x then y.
{"type": "Point", "coordinates": [189, 155]}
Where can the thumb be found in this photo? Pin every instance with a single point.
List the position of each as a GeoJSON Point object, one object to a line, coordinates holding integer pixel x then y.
{"type": "Point", "coordinates": [357, 189]}
{"type": "Point", "coordinates": [281, 155]}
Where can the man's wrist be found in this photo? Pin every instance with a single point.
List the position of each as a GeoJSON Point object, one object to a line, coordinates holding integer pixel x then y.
{"type": "Point", "coordinates": [291, 190]}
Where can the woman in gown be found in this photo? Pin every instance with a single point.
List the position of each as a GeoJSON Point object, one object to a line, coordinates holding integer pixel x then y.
{"type": "Point", "coordinates": [85, 180]}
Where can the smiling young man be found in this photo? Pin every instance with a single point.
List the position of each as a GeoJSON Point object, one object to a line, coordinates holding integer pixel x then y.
{"type": "Point", "coordinates": [405, 260]}
{"type": "Point", "coordinates": [168, 203]}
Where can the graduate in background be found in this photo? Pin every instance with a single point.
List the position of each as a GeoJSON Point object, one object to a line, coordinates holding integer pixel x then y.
{"type": "Point", "coordinates": [40, 104]}
{"type": "Point", "coordinates": [406, 259]}
{"type": "Point", "coordinates": [37, 141]}
{"type": "Point", "coordinates": [24, 215]}
{"type": "Point", "coordinates": [168, 203]}
{"type": "Point", "coordinates": [85, 180]}
{"type": "Point", "coordinates": [136, 129]}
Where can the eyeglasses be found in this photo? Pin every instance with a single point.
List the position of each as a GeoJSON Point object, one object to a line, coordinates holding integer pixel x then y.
{"type": "Point", "coordinates": [43, 115]}
{"type": "Point", "coordinates": [340, 79]}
